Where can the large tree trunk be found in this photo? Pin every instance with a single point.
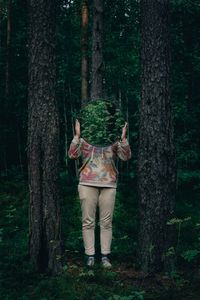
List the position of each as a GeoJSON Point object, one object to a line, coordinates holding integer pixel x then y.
{"type": "Point", "coordinates": [8, 42]}
{"type": "Point", "coordinates": [97, 51]}
{"type": "Point", "coordinates": [45, 244]}
{"type": "Point", "coordinates": [156, 161]}
{"type": "Point", "coordinates": [84, 49]}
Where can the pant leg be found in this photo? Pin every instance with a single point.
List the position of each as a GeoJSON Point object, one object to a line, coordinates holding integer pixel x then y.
{"type": "Point", "coordinates": [88, 199]}
{"type": "Point", "coordinates": [106, 208]}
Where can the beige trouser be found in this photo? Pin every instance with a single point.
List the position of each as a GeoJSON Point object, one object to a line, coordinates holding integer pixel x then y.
{"type": "Point", "coordinates": [90, 197]}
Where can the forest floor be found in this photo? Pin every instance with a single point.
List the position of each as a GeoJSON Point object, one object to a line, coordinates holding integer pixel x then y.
{"type": "Point", "coordinates": [122, 282]}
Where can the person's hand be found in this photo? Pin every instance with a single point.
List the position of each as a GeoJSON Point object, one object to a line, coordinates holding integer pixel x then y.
{"type": "Point", "coordinates": [124, 130]}
{"type": "Point", "coordinates": [77, 128]}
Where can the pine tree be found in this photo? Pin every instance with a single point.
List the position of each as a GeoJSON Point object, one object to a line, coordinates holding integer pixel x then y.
{"type": "Point", "coordinates": [43, 141]}
{"type": "Point", "coordinates": [97, 51]}
{"type": "Point", "coordinates": [156, 159]}
{"type": "Point", "coordinates": [84, 49]}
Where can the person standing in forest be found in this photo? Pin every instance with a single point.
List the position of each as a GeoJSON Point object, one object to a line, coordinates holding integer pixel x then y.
{"type": "Point", "coordinates": [97, 186]}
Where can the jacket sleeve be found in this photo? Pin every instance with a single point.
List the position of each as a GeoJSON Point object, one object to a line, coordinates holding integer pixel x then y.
{"type": "Point", "coordinates": [74, 151]}
{"type": "Point", "coordinates": [123, 150]}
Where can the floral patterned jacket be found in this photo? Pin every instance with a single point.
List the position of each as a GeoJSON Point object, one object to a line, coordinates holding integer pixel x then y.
{"type": "Point", "coordinates": [98, 168]}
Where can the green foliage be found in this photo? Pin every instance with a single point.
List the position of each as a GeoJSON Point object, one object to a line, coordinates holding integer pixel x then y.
{"type": "Point", "coordinates": [185, 87]}
{"type": "Point", "coordinates": [78, 282]}
{"type": "Point", "coordinates": [189, 255]}
{"type": "Point", "coordinates": [124, 244]}
{"type": "Point", "coordinates": [178, 279]}
{"type": "Point", "coordinates": [170, 251]}
{"type": "Point", "coordinates": [101, 122]}
{"type": "Point", "coordinates": [135, 295]}
{"type": "Point", "coordinates": [184, 251]}
{"type": "Point", "coordinates": [188, 177]}
{"type": "Point", "coordinates": [178, 221]}
{"type": "Point", "coordinates": [89, 273]}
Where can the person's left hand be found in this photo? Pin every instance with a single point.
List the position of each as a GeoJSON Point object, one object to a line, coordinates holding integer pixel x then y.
{"type": "Point", "coordinates": [77, 128]}
{"type": "Point", "coordinates": [124, 130]}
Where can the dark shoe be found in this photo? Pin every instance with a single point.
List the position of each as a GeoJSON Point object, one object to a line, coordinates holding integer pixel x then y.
{"type": "Point", "coordinates": [106, 262]}
{"type": "Point", "coordinates": [90, 261]}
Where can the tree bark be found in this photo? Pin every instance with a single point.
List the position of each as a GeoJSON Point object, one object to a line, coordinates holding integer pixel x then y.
{"type": "Point", "coordinates": [45, 245]}
{"type": "Point", "coordinates": [97, 51]}
{"type": "Point", "coordinates": [84, 49]}
{"type": "Point", "coordinates": [8, 41]}
{"type": "Point", "coordinates": [156, 158]}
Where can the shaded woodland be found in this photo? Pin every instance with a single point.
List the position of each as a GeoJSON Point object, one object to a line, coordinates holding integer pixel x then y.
{"type": "Point", "coordinates": [55, 57]}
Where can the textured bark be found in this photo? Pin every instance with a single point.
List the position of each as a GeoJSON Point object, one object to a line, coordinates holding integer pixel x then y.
{"type": "Point", "coordinates": [8, 42]}
{"type": "Point", "coordinates": [45, 244]}
{"type": "Point", "coordinates": [84, 48]}
{"type": "Point", "coordinates": [97, 51]}
{"type": "Point", "coordinates": [156, 159]}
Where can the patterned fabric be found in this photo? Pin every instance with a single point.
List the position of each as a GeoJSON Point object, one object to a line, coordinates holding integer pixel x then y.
{"type": "Point", "coordinates": [98, 168]}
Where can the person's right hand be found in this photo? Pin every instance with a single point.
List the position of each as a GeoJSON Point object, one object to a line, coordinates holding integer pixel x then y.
{"type": "Point", "coordinates": [124, 130]}
{"type": "Point", "coordinates": [77, 128]}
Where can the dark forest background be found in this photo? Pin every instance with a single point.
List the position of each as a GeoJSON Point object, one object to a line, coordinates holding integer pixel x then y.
{"type": "Point", "coordinates": [121, 50]}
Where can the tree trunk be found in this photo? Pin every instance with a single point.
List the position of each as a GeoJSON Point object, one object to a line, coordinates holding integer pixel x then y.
{"type": "Point", "coordinates": [84, 49]}
{"type": "Point", "coordinates": [8, 39]}
{"type": "Point", "coordinates": [97, 51]}
{"type": "Point", "coordinates": [156, 159]}
{"type": "Point", "coordinates": [65, 126]}
{"type": "Point", "coordinates": [20, 151]}
{"type": "Point", "coordinates": [45, 245]}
